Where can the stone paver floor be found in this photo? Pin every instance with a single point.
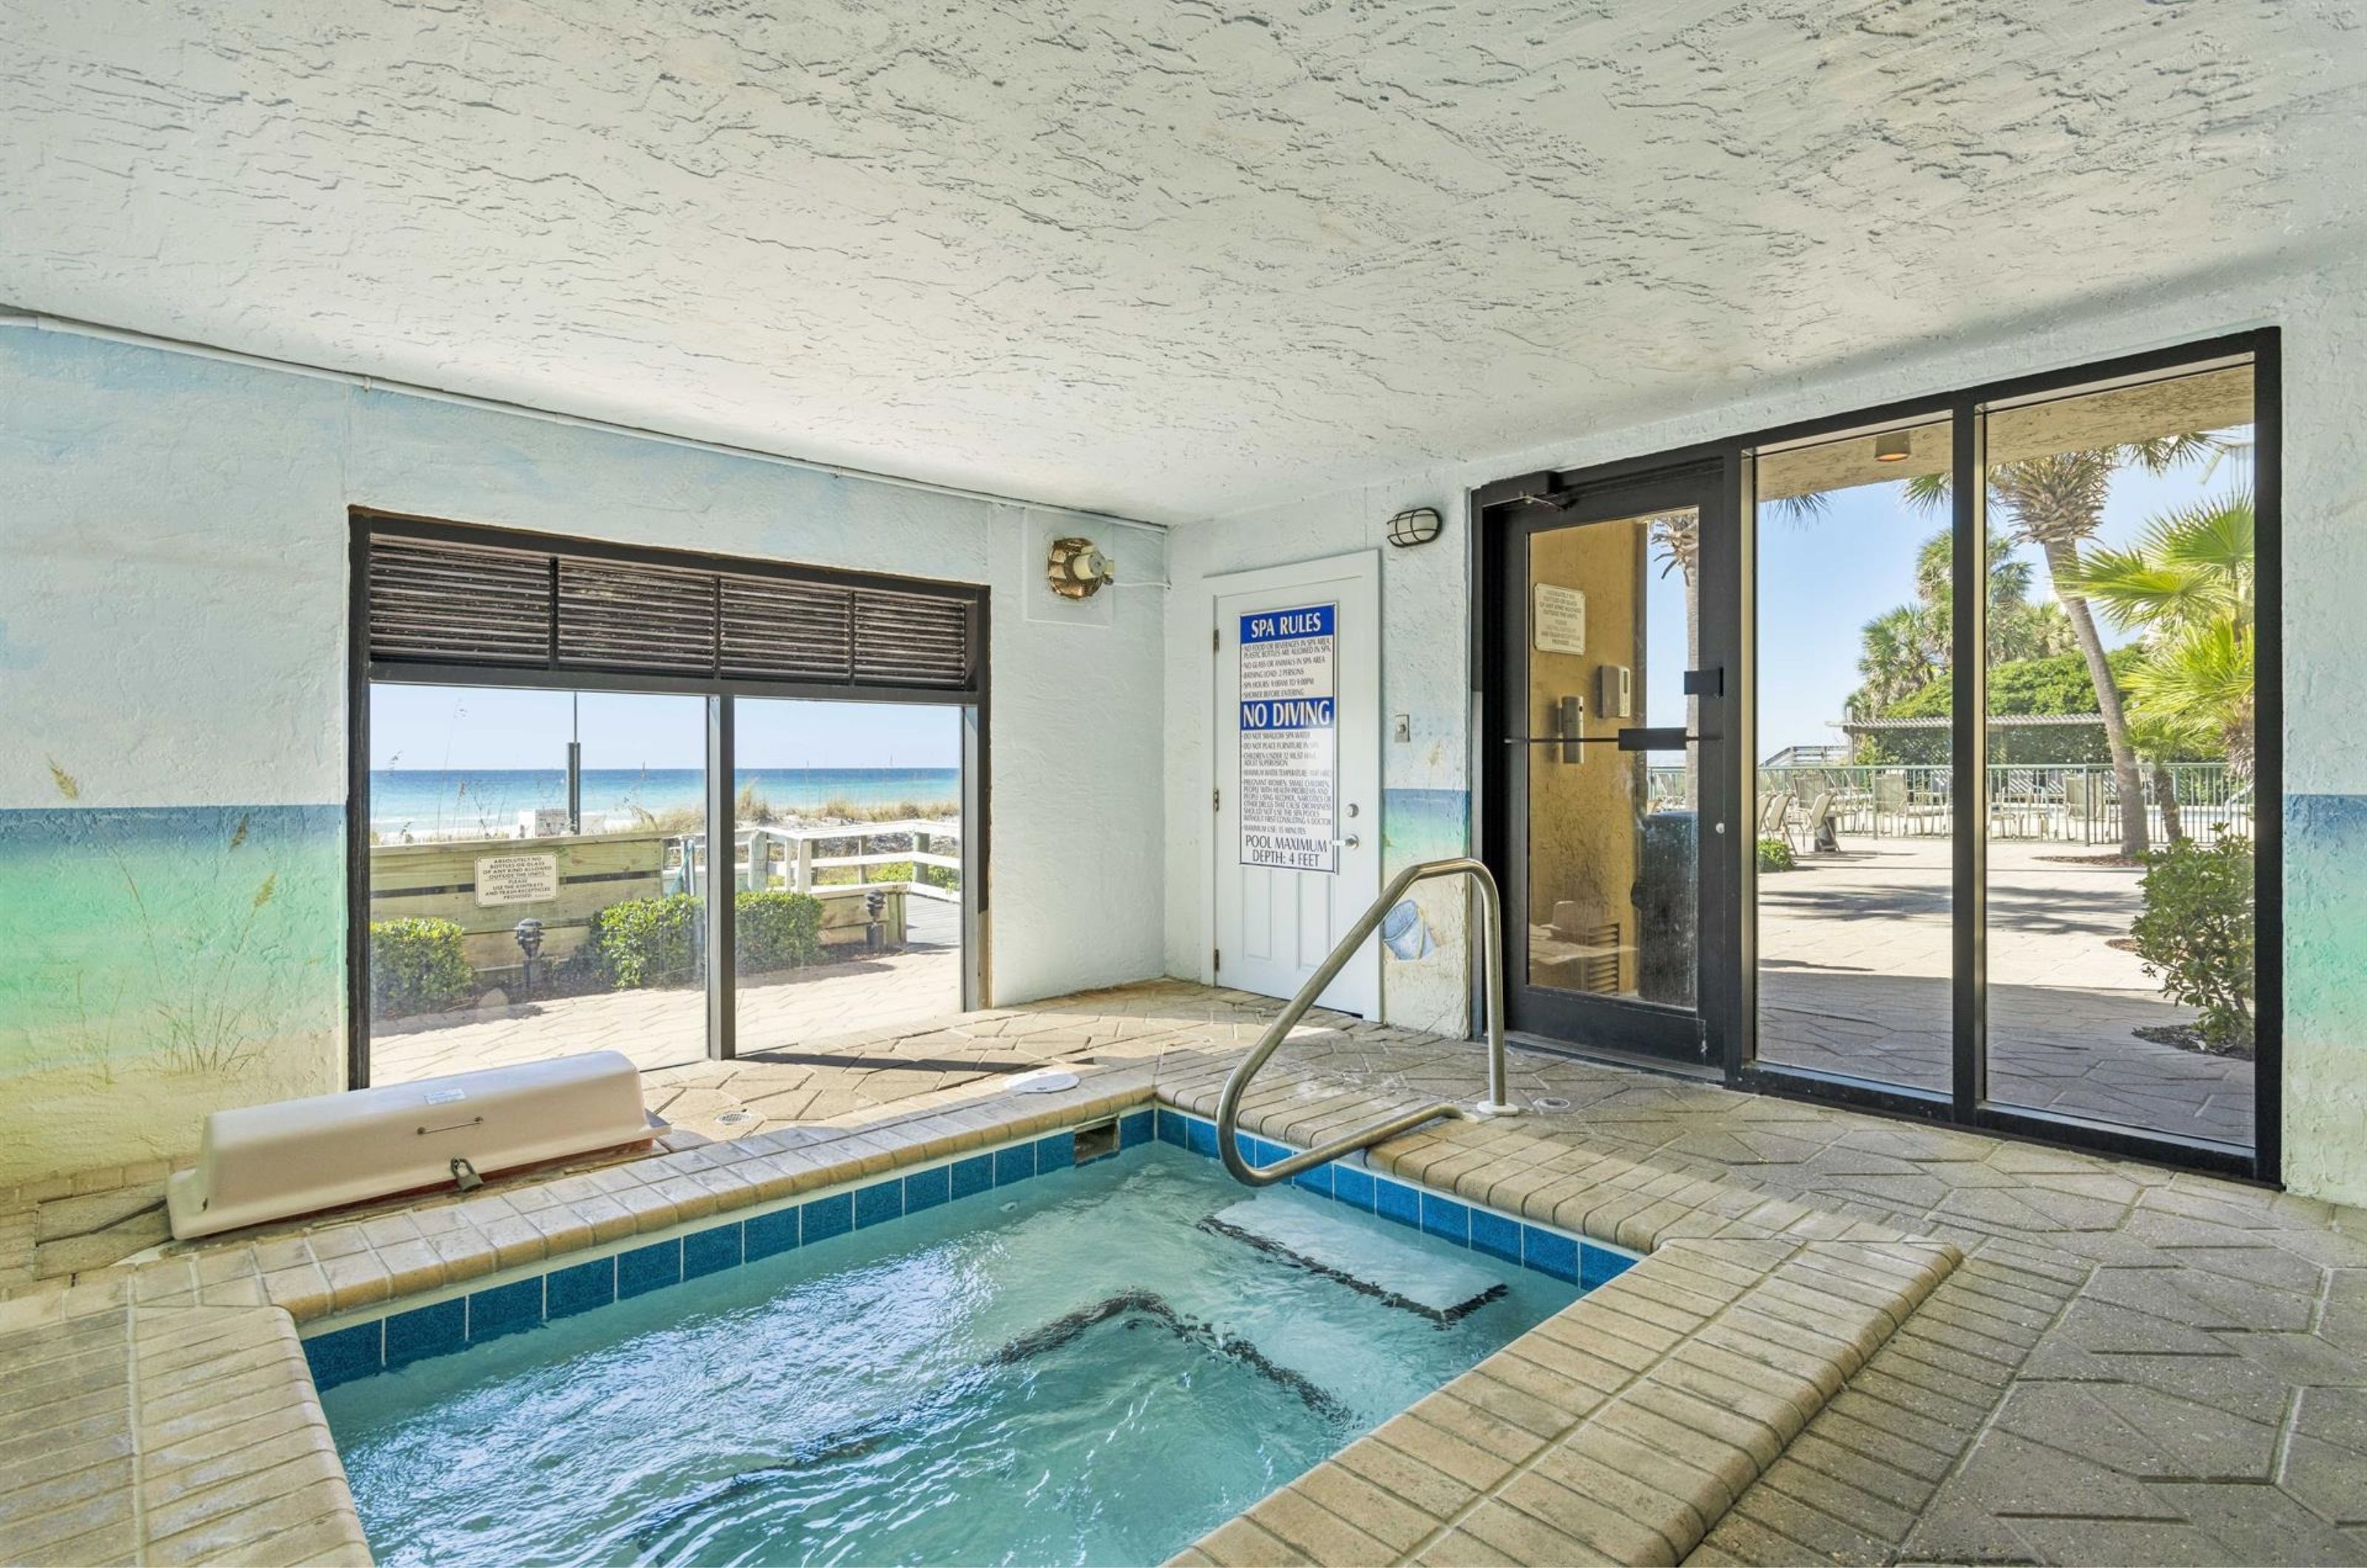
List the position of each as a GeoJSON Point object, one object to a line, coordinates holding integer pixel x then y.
{"type": "Point", "coordinates": [2132, 1365]}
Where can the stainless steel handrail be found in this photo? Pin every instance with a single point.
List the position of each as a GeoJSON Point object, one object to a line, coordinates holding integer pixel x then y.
{"type": "Point", "coordinates": [1229, 1104]}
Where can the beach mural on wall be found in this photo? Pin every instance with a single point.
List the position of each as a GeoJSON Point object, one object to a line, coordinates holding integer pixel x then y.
{"type": "Point", "coordinates": [171, 959]}
{"type": "Point", "coordinates": [1425, 971]}
{"type": "Point", "coordinates": [2325, 1004]}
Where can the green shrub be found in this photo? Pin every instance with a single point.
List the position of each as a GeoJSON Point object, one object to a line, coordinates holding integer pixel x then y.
{"type": "Point", "coordinates": [656, 941]}
{"type": "Point", "coordinates": [643, 942]}
{"type": "Point", "coordinates": [1774, 854]}
{"type": "Point", "coordinates": [777, 930]}
{"type": "Point", "coordinates": [2195, 934]}
{"type": "Point", "coordinates": [417, 966]}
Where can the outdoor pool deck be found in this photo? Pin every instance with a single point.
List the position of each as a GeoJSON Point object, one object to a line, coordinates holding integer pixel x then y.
{"type": "Point", "coordinates": [2127, 1365]}
{"type": "Point", "coordinates": [662, 1029]}
{"type": "Point", "coordinates": [667, 1027]}
{"type": "Point", "coordinates": [1854, 965]}
{"type": "Point", "coordinates": [1855, 949]}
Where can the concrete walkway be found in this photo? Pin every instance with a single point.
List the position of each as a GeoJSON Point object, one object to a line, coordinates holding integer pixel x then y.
{"type": "Point", "coordinates": [668, 1027]}
{"type": "Point", "coordinates": [1855, 965]}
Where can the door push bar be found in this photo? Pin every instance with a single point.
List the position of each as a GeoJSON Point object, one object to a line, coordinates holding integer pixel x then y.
{"type": "Point", "coordinates": [1669, 739]}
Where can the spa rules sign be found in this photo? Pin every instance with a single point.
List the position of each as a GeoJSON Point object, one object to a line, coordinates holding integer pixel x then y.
{"type": "Point", "coordinates": [1290, 745]}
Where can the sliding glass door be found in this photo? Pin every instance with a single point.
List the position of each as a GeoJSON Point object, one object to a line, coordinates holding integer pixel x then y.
{"type": "Point", "coordinates": [1856, 906]}
{"type": "Point", "coordinates": [847, 852]}
{"type": "Point", "coordinates": [2010, 744]}
{"type": "Point", "coordinates": [2119, 847]}
{"type": "Point", "coordinates": [678, 807]}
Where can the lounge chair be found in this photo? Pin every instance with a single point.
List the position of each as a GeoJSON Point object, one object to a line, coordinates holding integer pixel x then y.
{"type": "Point", "coordinates": [1820, 829]}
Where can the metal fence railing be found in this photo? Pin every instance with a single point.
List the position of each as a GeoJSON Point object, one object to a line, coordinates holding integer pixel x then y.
{"type": "Point", "coordinates": [2071, 803]}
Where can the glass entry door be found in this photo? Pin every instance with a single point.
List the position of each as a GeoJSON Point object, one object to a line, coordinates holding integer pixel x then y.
{"type": "Point", "coordinates": [1612, 778]}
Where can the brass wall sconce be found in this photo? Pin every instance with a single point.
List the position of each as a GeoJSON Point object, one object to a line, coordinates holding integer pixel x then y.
{"type": "Point", "coordinates": [1076, 569]}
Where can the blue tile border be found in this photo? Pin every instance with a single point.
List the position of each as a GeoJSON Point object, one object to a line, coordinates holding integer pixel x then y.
{"type": "Point", "coordinates": [1496, 1235]}
{"type": "Point", "coordinates": [506, 1309]}
{"type": "Point", "coordinates": [826, 1217]}
{"type": "Point", "coordinates": [712, 1251]}
{"type": "Point", "coordinates": [879, 1204]}
{"type": "Point", "coordinates": [567, 1291]}
{"type": "Point", "coordinates": [1574, 1260]}
{"type": "Point", "coordinates": [973, 1176]}
{"type": "Point", "coordinates": [435, 1330]}
{"type": "Point", "coordinates": [651, 1268]}
{"type": "Point", "coordinates": [1396, 1201]}
{"type": "Point", "coordinates": [769, 1235]}
{"type": "Point", "coordinates": [928, 1188]}
{"type": "Point", "coordinates": [399, 1339]}
{"type": "Point", "coordinates": [346, 1354]}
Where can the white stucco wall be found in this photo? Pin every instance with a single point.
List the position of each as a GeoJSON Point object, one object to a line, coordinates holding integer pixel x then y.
{"type": "Point", "coordinates": [1425, 676]}
{"type": "Point", "coordinates": [2320, 302]}
{"type": "Point", "coordinates": [173, 634]}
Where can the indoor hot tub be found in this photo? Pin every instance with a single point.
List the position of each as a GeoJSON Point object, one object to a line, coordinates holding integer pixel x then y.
{"type": "Point", "coordinates": [1086, 1347]}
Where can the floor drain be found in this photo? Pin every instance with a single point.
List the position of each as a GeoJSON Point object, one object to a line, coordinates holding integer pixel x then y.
{"type": "Point", "coordinates": [733, 1118]}
{"type": "Point", "coordinates": [1550, 1102]}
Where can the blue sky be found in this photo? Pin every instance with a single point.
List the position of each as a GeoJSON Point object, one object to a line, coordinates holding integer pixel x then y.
{"type": "Point", "coordinates": [1821, 579]}
{"type": "Point", "coordinates": [468, 728]}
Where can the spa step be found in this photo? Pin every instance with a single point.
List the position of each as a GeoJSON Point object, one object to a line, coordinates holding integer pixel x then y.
{"type": "Point", "coordinates": [1397, 1271]}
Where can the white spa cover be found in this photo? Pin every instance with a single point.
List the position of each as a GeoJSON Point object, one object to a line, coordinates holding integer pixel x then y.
{"type": "Point", "coordinates": [299, 1157]}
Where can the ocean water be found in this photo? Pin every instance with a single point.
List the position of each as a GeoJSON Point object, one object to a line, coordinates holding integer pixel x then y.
{"type": "Point", "coordinates": [1080, 1373]}
{"type": "Point", "coordinates": [437, 800]}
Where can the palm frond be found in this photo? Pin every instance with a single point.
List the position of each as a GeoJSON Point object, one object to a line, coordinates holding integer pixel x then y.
{"type": "Point", "coordinates": [1804, 508]}
{"type": "Point", "coordinates": [2215, 536]}
{"type": "Point", "coordinates": [2190, 565]}
{"type": "Point", "coordinates": [1925, 492]}
{"type": "Point", "coordinates": [2160, 454]}
{"type": "Point", "coordinates": [2134, 589]}
{"type": "Point", "coordinates": [2203, 674]}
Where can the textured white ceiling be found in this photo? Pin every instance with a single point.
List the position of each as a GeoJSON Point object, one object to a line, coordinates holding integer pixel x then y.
{"type": "Point", "coordinates": [1166, 260]}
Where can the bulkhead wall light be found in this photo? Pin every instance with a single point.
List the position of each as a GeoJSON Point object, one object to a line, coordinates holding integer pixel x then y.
{"type": "Point", "coordinates": [1076, 569]}
{"type": "Point", "coordinates": [1416, 525]}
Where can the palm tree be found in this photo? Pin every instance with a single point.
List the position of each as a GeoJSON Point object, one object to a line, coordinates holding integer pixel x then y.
{"type": "Point", "coordinates": [2159, 740]}
{"type": "Point", "coordinates": [2017, 627]}
{"type": "Point", "coordinates": [1677, 537]}
{"type": "Point", "coordinates": [1902, 651]}
{"type": "Point", "coordinates": [2057, 502]}
{"type": "Point", "coordinates": [2188, 583]}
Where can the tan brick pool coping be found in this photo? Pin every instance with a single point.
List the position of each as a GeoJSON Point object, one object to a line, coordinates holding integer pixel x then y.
{"type": "Point", "coordinates": [165, 1412]}
{"type": "Point", "coordinates": [1621, 1429]}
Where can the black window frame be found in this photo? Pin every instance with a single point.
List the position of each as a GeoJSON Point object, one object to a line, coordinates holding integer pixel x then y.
{"type": "Point", "coordinates": [721, 692]}
{"type": "Point", "coordinates": [1964, 1105]}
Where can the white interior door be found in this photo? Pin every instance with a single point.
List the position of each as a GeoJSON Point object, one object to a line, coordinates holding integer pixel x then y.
{"type": "Point", "coordinates": [1296, 746]}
